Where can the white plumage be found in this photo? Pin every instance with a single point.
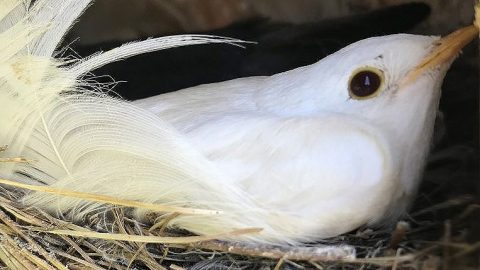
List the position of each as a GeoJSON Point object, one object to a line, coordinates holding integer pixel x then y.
{"type": "Point", "coordinates": [293, 154]}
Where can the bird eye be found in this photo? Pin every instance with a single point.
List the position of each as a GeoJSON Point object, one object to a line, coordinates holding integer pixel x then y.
{"type": "Point", "coordinates": [366, 82]}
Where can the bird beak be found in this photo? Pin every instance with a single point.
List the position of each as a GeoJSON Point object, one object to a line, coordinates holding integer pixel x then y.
{"type": "Point", "coordinates": [447, 48]}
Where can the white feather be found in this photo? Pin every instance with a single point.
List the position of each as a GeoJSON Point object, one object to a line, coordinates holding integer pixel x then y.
{"type": "Point", "coordinates": [59, 16]}
{"type": "Point", "coordinates": [11, 11]}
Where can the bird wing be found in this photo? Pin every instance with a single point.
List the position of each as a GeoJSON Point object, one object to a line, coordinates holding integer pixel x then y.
{"type": "Point", "coordinates": [330, 172]}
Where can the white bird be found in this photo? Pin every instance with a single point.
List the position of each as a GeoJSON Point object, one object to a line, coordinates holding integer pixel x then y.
{"type": "Point", "coordinates": [306, 154]}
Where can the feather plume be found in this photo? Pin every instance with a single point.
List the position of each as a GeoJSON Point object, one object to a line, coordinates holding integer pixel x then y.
{"type": "Point", "coordinates": [86, 141]}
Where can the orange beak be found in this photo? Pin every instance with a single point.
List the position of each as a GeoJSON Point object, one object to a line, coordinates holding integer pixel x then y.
{"type": "Point", "coordinates": [447, 48]}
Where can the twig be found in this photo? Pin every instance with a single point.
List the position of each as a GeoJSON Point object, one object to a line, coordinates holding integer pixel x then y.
{"type": "Point", "coordinates": [477, 15]}
{"type": "Point", "coordinates": [40, 250]}
{"type": "Point", "coordinates": [444, 205]}
{"type": "Point", "coordinates": [314, 254]}
{"type": "Point", "coordinates": [447, 235]}
{"type": "Point", "coordinates": [279, 263]}
{"type": "Point", "coordinates": [21, 262]}
{"type": "Point", "coordinates": [176, 267]}
{"type": "Point", "coordinates": [467, 250]}
{"type": "Point", "coordinates": [468, 211]}
{"type": "Point", "coordinates": [149, 239]}
{"type": "Point", "coordinates": [14, 160]}
{"type": "Point", "coordinates": [90, 265]}
{"type": "Point", "coordinates": [78, 249]}
{"type": "Point", "coordinates": [395, 263]}
{"type": "Point", "coordinates": [110, 200]}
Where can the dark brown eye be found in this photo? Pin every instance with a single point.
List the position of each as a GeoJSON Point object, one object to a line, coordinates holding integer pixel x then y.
{"type": "Point", "coordinates": [366, 83]}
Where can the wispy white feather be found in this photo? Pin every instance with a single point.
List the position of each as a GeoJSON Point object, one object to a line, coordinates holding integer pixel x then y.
{"type": "Point", "coordinates": [131, 49]}
{"type": "Point", "coordinates": [86, 141]}
{"type": "Point", "coordinates": [60, 16]}
{"type": "Point", "coordinates": [11, 11]}
{"type": "Point", "coordinates": [7, 6]}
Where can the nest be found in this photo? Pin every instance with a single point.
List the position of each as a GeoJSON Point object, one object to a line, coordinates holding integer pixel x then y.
{"type": "Point", "coordinates": [437, 234]}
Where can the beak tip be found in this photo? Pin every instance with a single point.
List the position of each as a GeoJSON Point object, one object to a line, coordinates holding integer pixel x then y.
{"type": "Point", "coordinates": [445, 51]}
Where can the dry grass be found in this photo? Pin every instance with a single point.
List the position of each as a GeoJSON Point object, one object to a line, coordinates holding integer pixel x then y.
{"type": "Point", "coordinates": [32, 239]}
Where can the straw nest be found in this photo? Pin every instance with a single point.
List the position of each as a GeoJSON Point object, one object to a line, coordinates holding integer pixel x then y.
{"type": "Point", "coordinates": [437, 234]}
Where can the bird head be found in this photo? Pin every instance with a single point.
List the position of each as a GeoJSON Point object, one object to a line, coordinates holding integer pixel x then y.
{"type": "Point", "coordinates": [387, 80]}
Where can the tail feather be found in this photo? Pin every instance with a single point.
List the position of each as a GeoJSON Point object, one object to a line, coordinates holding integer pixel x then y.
{"type": "Point", "coordinates": [84, 140]}
{"type": "Point", "coordinates": [11, 12]}
{"type": "Point", "coordinates": [6, 7]}
{"type": "Point", "coordinates": [60, 16]}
